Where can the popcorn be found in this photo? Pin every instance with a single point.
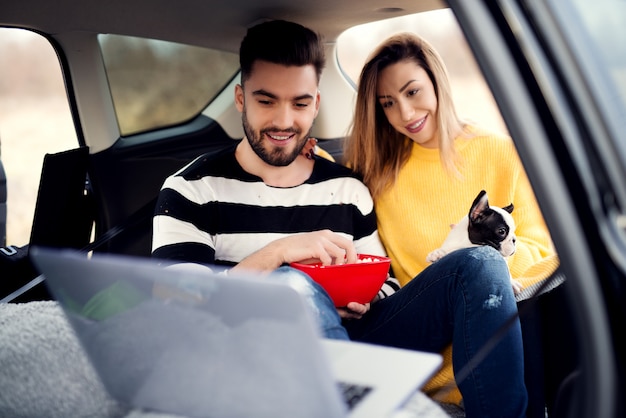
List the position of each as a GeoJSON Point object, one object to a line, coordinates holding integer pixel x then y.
{"type": "Point", "coordinates": [358, 261]}
{"type": "Point", "coordinates": [367, 260]}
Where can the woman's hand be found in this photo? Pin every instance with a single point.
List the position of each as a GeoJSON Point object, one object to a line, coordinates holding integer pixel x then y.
{"type": "Point", "coordinates": [354, 310]}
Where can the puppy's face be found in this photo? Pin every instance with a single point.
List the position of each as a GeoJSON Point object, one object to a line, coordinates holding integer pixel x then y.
{"type": "Point", "coordinates": [490, 225]}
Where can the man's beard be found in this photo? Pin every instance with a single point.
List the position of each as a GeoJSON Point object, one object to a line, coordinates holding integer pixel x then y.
{"type": "Point", "coordinates": [277, 156]}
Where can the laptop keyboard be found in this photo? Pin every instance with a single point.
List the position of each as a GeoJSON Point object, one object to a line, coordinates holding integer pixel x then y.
{"type": "Point", "coordinates": [353, 393]}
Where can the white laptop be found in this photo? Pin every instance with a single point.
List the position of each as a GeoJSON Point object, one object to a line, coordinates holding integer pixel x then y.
{"type": "Point", "coordinates": [200, 344]}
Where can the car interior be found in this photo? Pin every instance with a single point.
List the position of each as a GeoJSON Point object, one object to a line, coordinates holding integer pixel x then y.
{"type": "Point", "coordinates": [3, 206]}
{"type": "Point", "coordinates": [109, 183]}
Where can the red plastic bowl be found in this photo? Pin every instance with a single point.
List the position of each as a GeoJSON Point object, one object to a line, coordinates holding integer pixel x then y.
{"type": "Point", "coordinates": [358, 282]}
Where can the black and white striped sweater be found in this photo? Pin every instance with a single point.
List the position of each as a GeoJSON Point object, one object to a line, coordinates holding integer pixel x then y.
{"type": "Point", "coordinates": [213, 212]}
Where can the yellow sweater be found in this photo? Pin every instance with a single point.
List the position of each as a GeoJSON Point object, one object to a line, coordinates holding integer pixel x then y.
{"type": "Point", "coordinates": [414, 216]}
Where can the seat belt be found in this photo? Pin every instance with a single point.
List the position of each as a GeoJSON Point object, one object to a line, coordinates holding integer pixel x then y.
{"type": "Point", "coordinates": [142, 214]}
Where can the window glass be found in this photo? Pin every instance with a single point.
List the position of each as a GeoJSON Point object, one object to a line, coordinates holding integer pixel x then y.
{"type": "Point", "coordinates": [35, 119]}
{"type": "Point", "coordinates": [598, 41]}
{"type": "Point", "coordinates": [605, 23]}
{"type": "Point", "coordinates": [595, 33]}
{"type": "Point", "coordinates": [155, 84]}
{"type": "Point", "coordinates": [472, 96]}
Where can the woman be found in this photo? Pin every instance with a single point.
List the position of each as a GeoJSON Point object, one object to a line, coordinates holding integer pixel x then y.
{"type": "Point", "coordinates": [424, 166]}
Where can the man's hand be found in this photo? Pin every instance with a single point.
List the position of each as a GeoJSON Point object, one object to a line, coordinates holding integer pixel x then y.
{"type": "Point", "coordinates": [323, 246]}
{"type": "Point", "coordinates": [354, 310]}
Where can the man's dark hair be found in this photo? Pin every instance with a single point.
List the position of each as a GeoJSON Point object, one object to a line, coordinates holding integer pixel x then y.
{"type": "Point", "coordinates": [281, 42]}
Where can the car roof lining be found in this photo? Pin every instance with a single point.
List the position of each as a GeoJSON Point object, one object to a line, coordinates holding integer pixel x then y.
{"type": "Point", "coordinates": [161, 19]}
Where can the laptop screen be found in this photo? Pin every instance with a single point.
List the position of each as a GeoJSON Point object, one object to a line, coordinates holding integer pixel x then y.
{"type": "Point", "coordinates": [193, 343]}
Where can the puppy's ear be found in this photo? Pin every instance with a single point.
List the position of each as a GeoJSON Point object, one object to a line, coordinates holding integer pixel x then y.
{"type": "Point", "coordinates": [509, 208]}
{"type": "Point", "coordinates": [480, 205]}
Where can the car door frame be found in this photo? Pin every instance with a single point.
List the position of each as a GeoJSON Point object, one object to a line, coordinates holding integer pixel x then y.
{"type": "Point", "coordinates": [542, 119]}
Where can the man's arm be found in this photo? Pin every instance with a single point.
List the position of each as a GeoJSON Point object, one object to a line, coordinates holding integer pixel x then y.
{"type": "Point", "coordinates": [324, 246]}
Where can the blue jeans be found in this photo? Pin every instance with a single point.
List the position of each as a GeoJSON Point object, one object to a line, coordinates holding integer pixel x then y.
{"type": "Point", "coordinates": [320, 304]}
{"type": "Point", "coordinates": [462, 299]}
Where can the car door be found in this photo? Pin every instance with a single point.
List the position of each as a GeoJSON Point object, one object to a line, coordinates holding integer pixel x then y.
{"type": "Point", "coordinates": [564, 109]}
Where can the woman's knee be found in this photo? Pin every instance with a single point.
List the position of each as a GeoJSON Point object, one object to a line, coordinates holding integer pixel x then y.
{"type": "Point", "coordinates": [485, 265]}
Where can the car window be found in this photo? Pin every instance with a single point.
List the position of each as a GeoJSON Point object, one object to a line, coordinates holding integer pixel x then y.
{"type": "Point", "coordinates": [595, 32]}
{"type": "Point", "coordinates": [155, 84]}
{"type": "Point", "coordinates": [35, 119]}
{"type": "Point", "coordinates": [472, 96]}
{"type": "Point", "coordinates": [597, 41]}
{"type": "Point", "coordinates": [605, 23]}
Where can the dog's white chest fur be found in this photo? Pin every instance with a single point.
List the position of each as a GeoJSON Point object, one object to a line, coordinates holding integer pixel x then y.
{"type": "Point", "coordinates": [457, 238]}
{"type": "Point", "coordinates": [484, 225]}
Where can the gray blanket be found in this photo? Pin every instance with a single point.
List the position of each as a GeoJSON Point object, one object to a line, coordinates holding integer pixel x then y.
{"type": "Point", "coordinates": [45, 373]}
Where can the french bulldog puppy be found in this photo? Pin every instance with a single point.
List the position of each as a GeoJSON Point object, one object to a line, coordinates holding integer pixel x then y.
{"type": "Point", "coordinates": [484, 225]}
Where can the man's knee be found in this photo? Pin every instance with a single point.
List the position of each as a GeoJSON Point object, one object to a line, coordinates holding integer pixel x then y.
{"type": "Point", "coordinates": [297, 280]}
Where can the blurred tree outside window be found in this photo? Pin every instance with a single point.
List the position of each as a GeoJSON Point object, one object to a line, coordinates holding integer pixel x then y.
{"type": "Point", "coordinates": [156, 84]}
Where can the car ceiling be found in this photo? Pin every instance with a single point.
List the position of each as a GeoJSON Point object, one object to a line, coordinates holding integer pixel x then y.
{"type": "Point", "coordinates": [208, 23]}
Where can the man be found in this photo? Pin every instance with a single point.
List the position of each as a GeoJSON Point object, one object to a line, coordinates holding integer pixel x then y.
{"type": "Point", "coordinates": [261, 204]}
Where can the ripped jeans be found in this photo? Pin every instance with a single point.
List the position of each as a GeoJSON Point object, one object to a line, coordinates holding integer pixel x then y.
{"type": "Point", "coordinates": [462, 299]}
{"type": "Point", "coordinates": [318, 301]}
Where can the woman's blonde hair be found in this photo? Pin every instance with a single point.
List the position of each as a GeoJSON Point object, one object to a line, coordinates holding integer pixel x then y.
{"type": "Point", "coordinates": [374, 149]}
